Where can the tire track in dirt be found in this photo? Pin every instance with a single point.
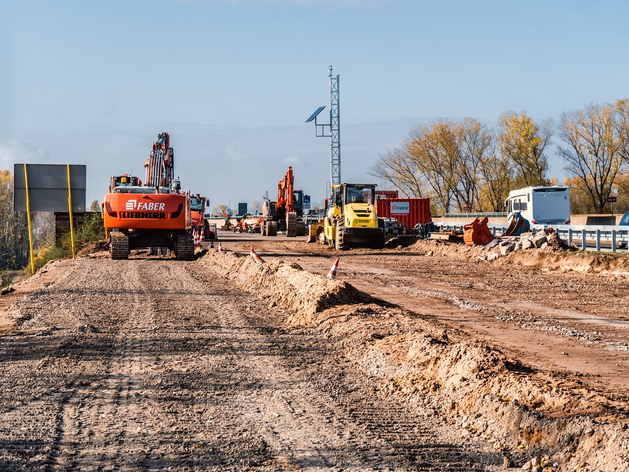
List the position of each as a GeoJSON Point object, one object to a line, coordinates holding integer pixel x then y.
{"type": "Point", "coordinates": [150, 365]}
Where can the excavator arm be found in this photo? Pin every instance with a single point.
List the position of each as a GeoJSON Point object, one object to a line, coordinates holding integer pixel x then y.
{"type": "Point", "coordinates": [161, 163]}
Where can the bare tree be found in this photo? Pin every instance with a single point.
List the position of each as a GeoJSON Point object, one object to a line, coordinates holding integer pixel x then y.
{"type": "Point", "coordinates": [595, 149]}
{"type": "Point", "coordinates": [256, 207]}
{"type": "Point", "coordinates": [396, 168]}
{"type": "Point", "coordinates": [475, 142]}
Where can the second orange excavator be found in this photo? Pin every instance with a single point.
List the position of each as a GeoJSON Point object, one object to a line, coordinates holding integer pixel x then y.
{"type": "Point", "coordinates": [285, 213]}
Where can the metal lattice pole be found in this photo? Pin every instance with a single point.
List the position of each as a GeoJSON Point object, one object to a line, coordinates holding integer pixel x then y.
{"type": "Point", "coordinates": [335, 130]}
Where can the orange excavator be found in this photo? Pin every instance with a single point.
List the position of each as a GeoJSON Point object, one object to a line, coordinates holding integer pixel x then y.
{"type": "Point", "coordinates": [156, 214]}
{"type": "Point", "coordinates": [284, 214]}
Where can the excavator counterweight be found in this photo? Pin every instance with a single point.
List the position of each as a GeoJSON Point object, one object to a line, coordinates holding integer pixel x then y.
{"type": "Point", "coordinates": [153, 215]}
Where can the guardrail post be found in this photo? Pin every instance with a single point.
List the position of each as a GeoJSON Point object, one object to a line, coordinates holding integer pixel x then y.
{"type": "Point", "coordinates": [583, 241]}
{"type": "Point", "coordinates": [598, 240]}
{"type": "Point", "coordinates": [613, 240]}
{"type": "Point", "coordinates": [570, 237]}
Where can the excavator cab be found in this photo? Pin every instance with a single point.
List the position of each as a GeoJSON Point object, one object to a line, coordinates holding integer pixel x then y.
{"type": "Point", "coordinates": [124, 180]}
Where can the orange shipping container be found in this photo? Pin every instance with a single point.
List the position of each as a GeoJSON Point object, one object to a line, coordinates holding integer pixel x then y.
{"type": "Point", "coordinates": [408, 211]}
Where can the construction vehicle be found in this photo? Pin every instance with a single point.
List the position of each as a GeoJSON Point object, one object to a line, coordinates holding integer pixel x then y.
{"type": "Point", "coordinates": [285, 213]}
{"type": "Point", "coordinates": [154, 215]}
{"type": "Point", "coordinates": [198, 204]}
{"type": "Point", "coordinates": [351, 219]}
{"type": "Point", "coordinates": [249, 224]}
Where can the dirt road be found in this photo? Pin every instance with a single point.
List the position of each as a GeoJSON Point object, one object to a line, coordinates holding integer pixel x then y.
{"type": "Point", "coordinates": [151, 364]}
{"type": "Point", "coordinates": [556, 320]}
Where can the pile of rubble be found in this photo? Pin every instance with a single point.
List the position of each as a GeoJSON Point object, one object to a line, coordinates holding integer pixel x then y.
{"type": "Point", "coordinates": [544, 239]}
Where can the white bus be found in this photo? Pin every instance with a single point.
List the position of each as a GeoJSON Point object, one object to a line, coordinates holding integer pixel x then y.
{"type": "Point", "coordinates": [541, 205]}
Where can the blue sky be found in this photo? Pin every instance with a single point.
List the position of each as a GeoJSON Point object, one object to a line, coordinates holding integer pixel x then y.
{"type": "Point", "coordinates": [232, 81]}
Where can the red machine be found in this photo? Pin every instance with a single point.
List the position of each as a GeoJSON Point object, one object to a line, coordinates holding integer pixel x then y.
{"type": "Point", "coordinates": [198, 204]}
{"type": "Point", "coordinates": [283, 214]}
{"type": "Point", "coordinates": [155, 214]}
{"type": "Point", "coordinates": [407, 211]}
{"type": "Point", "coordinates": [386, 194]}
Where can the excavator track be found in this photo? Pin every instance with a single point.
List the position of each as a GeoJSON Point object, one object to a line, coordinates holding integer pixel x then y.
{"type": "Point", "coordinates": [185, 247]}
{"type": "Point", "coordinates": [118, 246]}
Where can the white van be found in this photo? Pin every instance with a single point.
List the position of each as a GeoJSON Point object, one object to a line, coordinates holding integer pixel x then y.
{"type": "Point", "coordinates": [541, 205]}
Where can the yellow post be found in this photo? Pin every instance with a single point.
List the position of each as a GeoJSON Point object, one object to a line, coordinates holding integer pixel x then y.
{"type": "Point", "coordinates": [30, 226]}
{"type": "Point", "coordinates": [70, 211]}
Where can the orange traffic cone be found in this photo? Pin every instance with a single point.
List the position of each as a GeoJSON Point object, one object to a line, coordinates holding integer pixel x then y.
{"type": "Point", "coordinates": [220, 247]}
{"type": "Point", "coordinates": [257, 258]}
{"type": "Point", "coordinates": [196, 237]}
{"type": "Point", "coordinates": [202, 234]}
{"type": "Point", "coordinates": [334, 269]}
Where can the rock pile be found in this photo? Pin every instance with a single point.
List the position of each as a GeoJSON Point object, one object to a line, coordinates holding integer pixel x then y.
{"type": "Point", "coordinates": [544, 239]}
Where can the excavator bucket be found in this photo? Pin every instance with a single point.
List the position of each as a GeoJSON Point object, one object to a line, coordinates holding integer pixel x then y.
{"type": "Point", "coordinates": [477, 232]}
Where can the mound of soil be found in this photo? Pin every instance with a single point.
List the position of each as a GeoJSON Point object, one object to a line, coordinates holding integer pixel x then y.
{"type": "Point", "coordinates": [527, 414]}
{"type": "Point", "coordinates": [548, 417]}
{"type": "Point", "coordinates": [284, 284]}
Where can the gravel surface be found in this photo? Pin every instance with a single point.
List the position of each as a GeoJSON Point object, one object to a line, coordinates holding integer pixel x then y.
{"type": "Point", "coordinates": [152, 364]}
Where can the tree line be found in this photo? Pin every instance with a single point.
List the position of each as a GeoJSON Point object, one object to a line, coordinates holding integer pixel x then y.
{"type": "Point", "coordinates": [467, 166]}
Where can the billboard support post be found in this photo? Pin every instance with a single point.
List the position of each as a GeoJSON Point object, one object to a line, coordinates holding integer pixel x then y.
{"type": "Point", "coordinates": [70, 211]}
{"type": "Point", "coordinates": [30, 226]}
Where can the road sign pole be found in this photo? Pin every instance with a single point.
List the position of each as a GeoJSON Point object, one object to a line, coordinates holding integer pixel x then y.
{"type": "Point", "coordinates": [70, 211]}
{"type": "Point", "coordinates": [28, 215]}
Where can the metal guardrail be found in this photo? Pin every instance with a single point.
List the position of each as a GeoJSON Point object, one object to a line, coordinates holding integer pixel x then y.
{"type": "Point", "coordinates": [473, 215]}
{"type": "Point", "coordinates": [588, 236]}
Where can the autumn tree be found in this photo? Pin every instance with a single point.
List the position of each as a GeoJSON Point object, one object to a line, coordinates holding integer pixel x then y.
{"type": "Point", "coordinates": [14, 245]}
{"type": "Point", "coordinates": [621, 185]}
{"type": "Point", "coordinates": [434, 149]}
{"type": "Point", "coordinates": [594, 150]}
{"type": "Point", "coordinates": [493, 170]}
{"type": "Point", "coordinates": [221, 210]}
{"type": "Point", "coordinates": [522, 144]}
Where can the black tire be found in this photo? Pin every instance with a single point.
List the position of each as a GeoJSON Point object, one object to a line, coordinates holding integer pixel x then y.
{"type": "Point", "coordinates": [340, 234]}
{"type": "Point", "coordinates": [263, 228]}
{"type": "Point", "coordinates": [184, 249]}
{"type": "Point", "coordinates": [301, 228]}
{"type": "Point", "coordinates": [118, 246]}
{"type": "Point", "coordinates": [272, 229]}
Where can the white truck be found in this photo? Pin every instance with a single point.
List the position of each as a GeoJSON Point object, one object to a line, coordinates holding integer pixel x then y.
{"type": "Point", "coordinates": [541, 205]}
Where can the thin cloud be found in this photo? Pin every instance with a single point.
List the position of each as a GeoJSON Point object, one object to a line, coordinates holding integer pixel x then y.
{"type": "Point", "coordinates": [292, 160]}
{"type": "Point", "coordinates": [323, 4]}
{"type": "Point", "coordinates": [14, 151]}
{"type": "Point", "coordinates": [233, 155]}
